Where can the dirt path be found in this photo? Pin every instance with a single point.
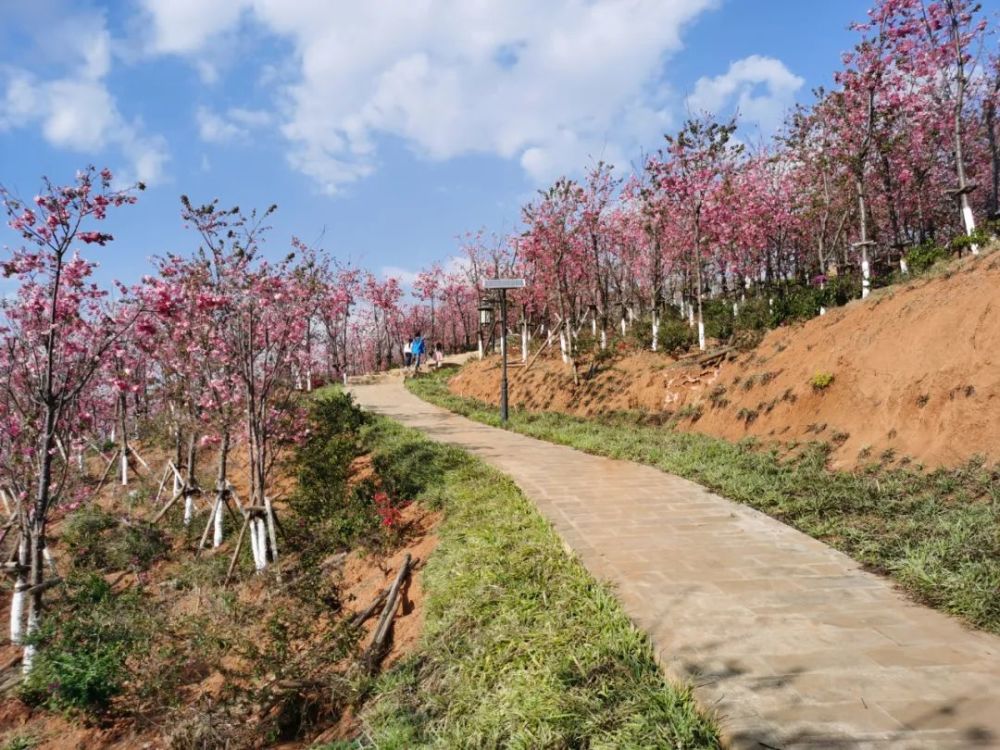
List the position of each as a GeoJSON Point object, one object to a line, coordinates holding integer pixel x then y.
{"type": "Point", "coordinates": [789, 641]}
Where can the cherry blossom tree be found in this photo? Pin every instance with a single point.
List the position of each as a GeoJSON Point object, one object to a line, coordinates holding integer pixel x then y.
{"type": "Point", "coordinates": [56, 333]}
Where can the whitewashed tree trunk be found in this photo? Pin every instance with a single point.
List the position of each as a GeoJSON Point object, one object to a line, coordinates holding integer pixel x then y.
{"type": "Point", "coordinates": [480, 346]}
{"type": "Point", "coordinates": [19, 598]}
{"type": "Point", "coordinates": [623, 325]}
{"type": "Point", "coordinates": [736, 309]}
{"type": "Point", "coordinates": [691, 315]}
{"type": "Point", "coordinates": [969, 220]}
{"type": "Point", "coordinates": [124, 465]}
{"type": "Point", "coordinates": [28, 657]}
{"type": "Point", "coordinates": [866, 276]}
{"type": "Point", "coordinates": [260, 533]}
{"type": "Point", "coordinates": [254, 543]}
{"type": "Point", "coordinates": [604, 339]}
{"type": "Point", "coordinates": [564, 345]}
{"type": "Point", "coordinates": [701, 335]}
{"type": "Point", "coordinates": [217, 532]}
{"type": "Point", "coordinates": [524, 341]}
{"type": "Point", "coordinates": [593, 326]}
{"type": "Point", "coordinates": [188, 506]}
{"type": "Point", "coordinates": [904, 267]}
{"type": "Point", "coordinates": [656, 331]}
{"type": "Point", "coordinates": [822, 310]}
{"type": "Point", "coordinates": [272, 533]}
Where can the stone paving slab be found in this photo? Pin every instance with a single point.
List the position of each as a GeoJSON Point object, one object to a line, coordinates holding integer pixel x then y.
{"type": "Point", "coordinates": [788, 641]}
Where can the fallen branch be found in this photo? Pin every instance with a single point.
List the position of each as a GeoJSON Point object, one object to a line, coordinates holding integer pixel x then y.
{"type": "Point", "coordinates": [364, 614]}
{"type": "Point", "coordinates": [377, 648]}
{"type": "Point", "coordinates": [703, 358]}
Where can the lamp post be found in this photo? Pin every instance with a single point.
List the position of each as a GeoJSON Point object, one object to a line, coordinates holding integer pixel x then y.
{"type": "Point", "coordinates": [502, 285]}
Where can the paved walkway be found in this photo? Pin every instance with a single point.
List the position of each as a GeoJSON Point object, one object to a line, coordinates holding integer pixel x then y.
{"type": "Point", "coordinates": [789, 641]}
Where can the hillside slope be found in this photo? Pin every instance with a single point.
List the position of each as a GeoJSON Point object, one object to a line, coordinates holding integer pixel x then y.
{"type": "Point", "coordinates": [914, 378]}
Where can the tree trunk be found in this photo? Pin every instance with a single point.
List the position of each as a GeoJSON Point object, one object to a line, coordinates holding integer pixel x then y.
{"type": "Point", "coordinates": [697, 276]}
{"type": "Point", "coordinates": [189, 482]}
{"type": "Point", "coordinates": [866, 283]}
{"type": "Point", "coordinates": [20, 584]}
{"type": "Point", "coordinates": [222, 490]}
{"type": "Point", "coordinates": [123, 413]}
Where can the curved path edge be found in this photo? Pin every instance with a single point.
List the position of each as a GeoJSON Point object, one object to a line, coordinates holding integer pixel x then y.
{"type": "Point", "coordinates": [787, 641]}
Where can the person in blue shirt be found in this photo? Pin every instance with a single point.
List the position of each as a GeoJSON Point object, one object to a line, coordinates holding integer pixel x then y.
{"type": "Point", "coordinates": [417, 349]}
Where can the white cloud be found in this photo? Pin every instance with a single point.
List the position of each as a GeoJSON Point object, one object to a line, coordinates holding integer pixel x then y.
{"type": "Point", "coordinates": [235, 125]}
{"type": "Point", "coordinates": [183, 26]}
{"type": "Point", "coordinates": [760, 88]}
{"type": "Point", "coordinates": [78, 112]}
{"type": "Point", "coordinates": [547, 84]}
{"type": "Point", "coordinates": [215, 129]}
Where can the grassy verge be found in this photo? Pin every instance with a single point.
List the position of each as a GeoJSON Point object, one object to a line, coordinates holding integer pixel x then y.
{"type": "Point", "coordinates": [522, 648]}
{"type": "Point", "coordinates": [937, 533]}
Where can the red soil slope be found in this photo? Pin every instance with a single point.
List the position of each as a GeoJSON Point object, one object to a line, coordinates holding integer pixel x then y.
{"type": "Point", "coordinates": [916, 377]}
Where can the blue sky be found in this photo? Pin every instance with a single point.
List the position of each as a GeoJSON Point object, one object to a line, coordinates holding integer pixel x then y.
{"type": "Point", "coordinates": [382, 130]}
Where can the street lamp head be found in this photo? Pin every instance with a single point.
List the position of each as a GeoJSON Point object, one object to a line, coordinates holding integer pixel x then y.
{"type": "Point", "coordinates": [486, 311]}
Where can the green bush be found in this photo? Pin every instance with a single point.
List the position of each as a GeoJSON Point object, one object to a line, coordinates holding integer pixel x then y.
{"type": "Point", "coordinates": [327, 514]}
{"type": "Point", "coordinates": [753, 314]}
{"type": "Point", "coordinates": [98, 540]}
{"type": "Point", "coordinates": [718, 316]}
{"type": "Point", "coordinates": [674, 335]}
{"type": "Point", "coordinates": [795, 302]}
{"type": "Point", "coordinates": [965, 241]}
{"type": "Point", "coordinates": [20, 742]}
{"type": "Point", "coordinates": [922, 257]}
{"type": "Point", "coordinates": [80, 664]}
{"type": "Point", "coordinates": [821, 381]}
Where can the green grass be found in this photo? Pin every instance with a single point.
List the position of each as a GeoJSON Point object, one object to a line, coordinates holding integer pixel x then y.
{"type": "Point", "coordinates": [521, 647]}
{"type": "Point", "coordinates": [936, 533]}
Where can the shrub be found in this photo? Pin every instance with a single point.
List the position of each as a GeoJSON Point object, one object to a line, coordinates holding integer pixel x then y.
{"type": "Point", "coordinates": [20, 742]}
{"type": "Point", "coordinates": [753, 314]}
{"type": "Point", "coordinates": [97, 540]}
{"type": "Point", "coordinates": [718, 316]}
{"type": "Point", "coordinates": [821, 381]}
{"type": "Point", "coordinates": [965, 241]}
{"type": "Point", "coordinates": [922, 257]}
{"type": "Point", "coordinates": [603, 355]}
{"type": "Point", "coordinates": [327, 511]}
{"type": "Point", "coordinates": [675, 335]}
{"type": "Point", "coordinates": [82, 651]}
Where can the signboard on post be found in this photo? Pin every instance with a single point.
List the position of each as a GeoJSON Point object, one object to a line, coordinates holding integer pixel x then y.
{"type": "Point", "coordinates": [502, 285]}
